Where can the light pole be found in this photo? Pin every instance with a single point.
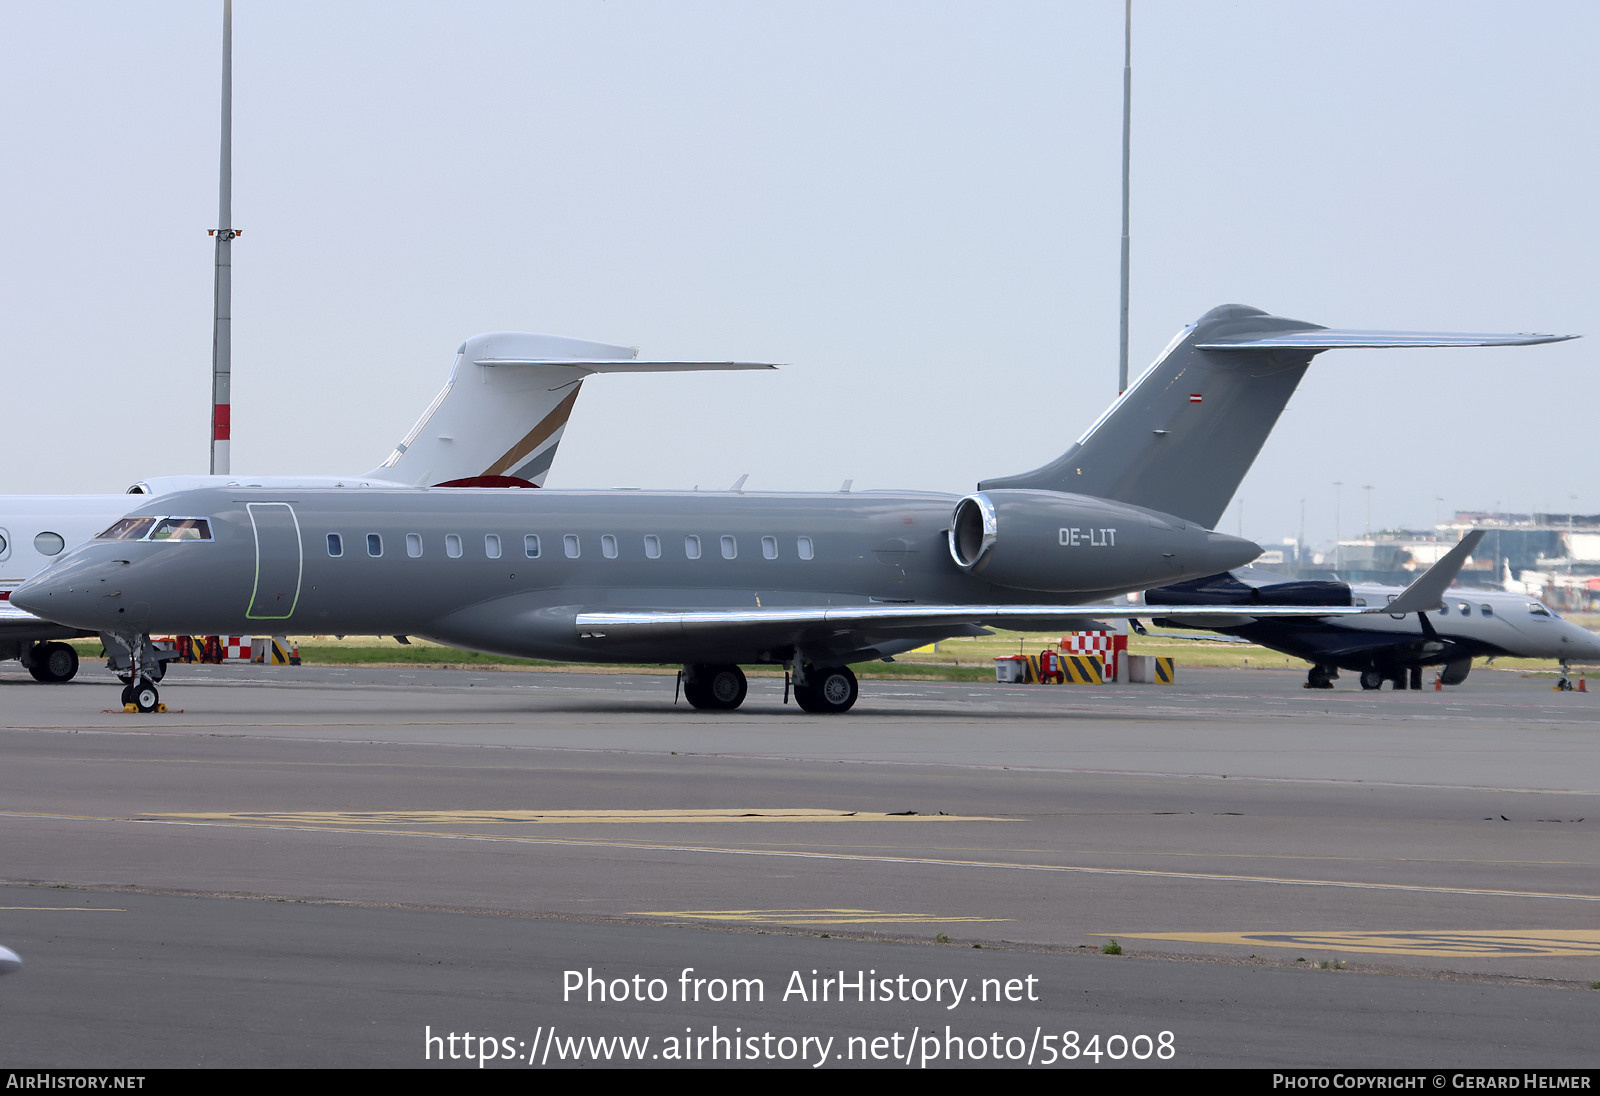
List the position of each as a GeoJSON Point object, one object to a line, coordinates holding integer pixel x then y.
{"type": "Point", "coordinates": [1338, 505]}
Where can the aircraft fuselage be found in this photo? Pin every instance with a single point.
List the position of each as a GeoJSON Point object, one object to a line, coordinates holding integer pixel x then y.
{"type": "Point", "coordinates": [510, 572]}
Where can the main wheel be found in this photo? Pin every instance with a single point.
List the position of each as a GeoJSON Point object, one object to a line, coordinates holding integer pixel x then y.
{"type": "Point", "coordinates": [717, 688]}
{"type": "Point", "coordinates": [828, 691]}
{"type": "Point", "coordinates": [1371, 679]}
{"type": "Point", "coordinates": [1318, 677]}
{"type": "Point", "coordinates": [1455, 672]}
{"type": "Point", "coordinates": [53, 663]}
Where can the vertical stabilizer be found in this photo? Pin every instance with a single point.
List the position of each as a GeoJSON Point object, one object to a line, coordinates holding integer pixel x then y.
{"type": "Point", "coordinates": [1182, 437]}
{"type": "Point", "coordinates": [502, 412]}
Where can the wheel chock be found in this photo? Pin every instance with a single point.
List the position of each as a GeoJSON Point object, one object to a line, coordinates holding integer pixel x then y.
{"type": "Point", "coordinates": [130, 709]}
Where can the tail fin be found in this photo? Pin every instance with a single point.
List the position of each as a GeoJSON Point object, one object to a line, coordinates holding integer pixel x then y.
{"type": "Point", "coordinates": [1182, 437]}
{"type": "Point", "coordinates": [502, 412]}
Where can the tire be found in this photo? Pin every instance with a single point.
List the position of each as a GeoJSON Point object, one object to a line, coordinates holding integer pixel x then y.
{"type": "Point", "coordinates": [828, 692]}
{"type": "Point", "coordinates": [1455, 672]}
{"type": "Point", "coordinates": [144, 696]}
{"type": "Point", "coordinates": [1371, 679]}
{"type": "Point", "coordinates": [53, 663]}
{"type": "Point", "coordinates": [715, 688]}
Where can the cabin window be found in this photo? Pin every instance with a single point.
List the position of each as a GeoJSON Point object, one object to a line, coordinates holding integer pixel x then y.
{"type": "Point", "coordinates": [1486, 609]}
{"type": "Point", "coordinates": [491, 545]}
{"type": "Point", "coordinates": [530, 546]}
{"type": "Point", "coordinates": [1444, 610]}
{"type": "Point", "coordinates": [803, 548]}
{"type": "Point", "coordinates": [691, 546]}
{"type": "Point", "coordinates": [570, 543]}
{"type": "Point", "coordinates": [48, 543]}
{"type": "Point", "coordinates": [374, 545]}
{"type": "Point", "coordinates": [608, 546]}
{"type": "Point", "coordinates": [730, 548]}
{"type": "Point", "coordinates": [769, 547]}
{"type": "Point", "coordinates": [1362, 602]}
{"type": "Point", "coordinates": [1463, 608]}
{"type": "Point", "coordinates": [335, 545]}
{"type": "Point", "coordinates": [414, 545]}
{"type": "Point", "coordinates": [452, 545]}
{"type": "Point", "coordinates": [652, 547]}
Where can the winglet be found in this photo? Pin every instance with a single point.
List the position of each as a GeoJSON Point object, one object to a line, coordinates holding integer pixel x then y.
{"type": "Point", "coordinates": [1427, 592]}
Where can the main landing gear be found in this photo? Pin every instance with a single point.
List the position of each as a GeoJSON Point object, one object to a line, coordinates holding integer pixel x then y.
{"type": "Point", "coordinates": [1402, 676]}
{"type": "Point", "coordinates": [1321, 676]}
{"type": "Point", "coordinates": [51, 663]}
{"type": "Point", "coordinates": [717, 688]}
{"type": "Point", "coordinates": [723, 688]}
{"type": "Point", "coordinates": [823, 692]}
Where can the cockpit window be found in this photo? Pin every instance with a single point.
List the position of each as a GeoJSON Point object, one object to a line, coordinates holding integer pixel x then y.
{"type": "Point", "coordinates": [158, 529]}
{"type": "Point", "coordinates": [1538, 610]}
{"type": "Point", "coordinates": [181, 529]}
{"type": "Point", "coordinates": [128, 529]}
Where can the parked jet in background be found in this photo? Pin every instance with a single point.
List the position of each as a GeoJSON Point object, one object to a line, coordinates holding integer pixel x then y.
{"type": "Point", "coordinates": [1381, 647]}
{"type": "Point", "coordinates": [812, 582]}
{"type": "Point", "coordinates": [497, 421]}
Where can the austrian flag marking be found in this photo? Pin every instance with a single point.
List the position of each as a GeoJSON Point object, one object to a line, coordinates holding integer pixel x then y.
{"type": "Point", "coordinates": [1194, 397]}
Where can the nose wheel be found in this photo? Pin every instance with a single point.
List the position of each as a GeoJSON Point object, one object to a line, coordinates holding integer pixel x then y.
{"type": "Point", "coordinates": [142, 695]}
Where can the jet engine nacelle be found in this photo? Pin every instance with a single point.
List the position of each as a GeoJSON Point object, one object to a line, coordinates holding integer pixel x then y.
{"type": "Point", "coordinates": [1055, 542]}
{"type": "Point", "coordinates": [1225, 589]}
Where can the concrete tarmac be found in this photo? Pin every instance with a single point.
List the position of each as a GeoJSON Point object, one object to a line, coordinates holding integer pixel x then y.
{"type": "Point", "coordinates": [355, 860]}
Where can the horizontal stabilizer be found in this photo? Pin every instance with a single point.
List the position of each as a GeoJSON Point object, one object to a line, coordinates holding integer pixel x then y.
{"type": "Point", "coordinates": [1327, 338]}
{"type": "Point", "coordinates": [1426, 593]}
{"type": "Point", "coordinates": [628, 365]}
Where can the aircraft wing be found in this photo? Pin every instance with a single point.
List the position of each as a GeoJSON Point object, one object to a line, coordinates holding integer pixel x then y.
{"type": "Point", "coordinates": [863, 623]}
{"type": "Point", "coordinates": [819, 623]}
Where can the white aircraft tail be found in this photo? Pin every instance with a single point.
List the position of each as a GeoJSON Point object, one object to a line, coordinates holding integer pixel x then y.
{"type": "Point", "coordinates": [500, 416]}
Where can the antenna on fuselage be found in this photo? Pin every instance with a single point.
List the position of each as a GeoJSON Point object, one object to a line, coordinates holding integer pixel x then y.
{"type": "Point", "coordinates": [222, 323]}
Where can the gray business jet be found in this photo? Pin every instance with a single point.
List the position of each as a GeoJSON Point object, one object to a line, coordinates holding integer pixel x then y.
{"type": "Point", "coordinates": [813, 582]}
{"type": "Point", "coordinates": [497, 422]}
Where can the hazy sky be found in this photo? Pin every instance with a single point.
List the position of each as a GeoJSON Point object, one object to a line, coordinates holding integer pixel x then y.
{"type": "Point", "coordinates": [912, 205]}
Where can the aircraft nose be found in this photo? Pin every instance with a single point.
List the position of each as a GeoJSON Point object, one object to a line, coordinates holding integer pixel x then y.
{"type": "Point", "coordinates": [66, 595]}
{"type": "Point", "coordinates": [1584, 645]}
